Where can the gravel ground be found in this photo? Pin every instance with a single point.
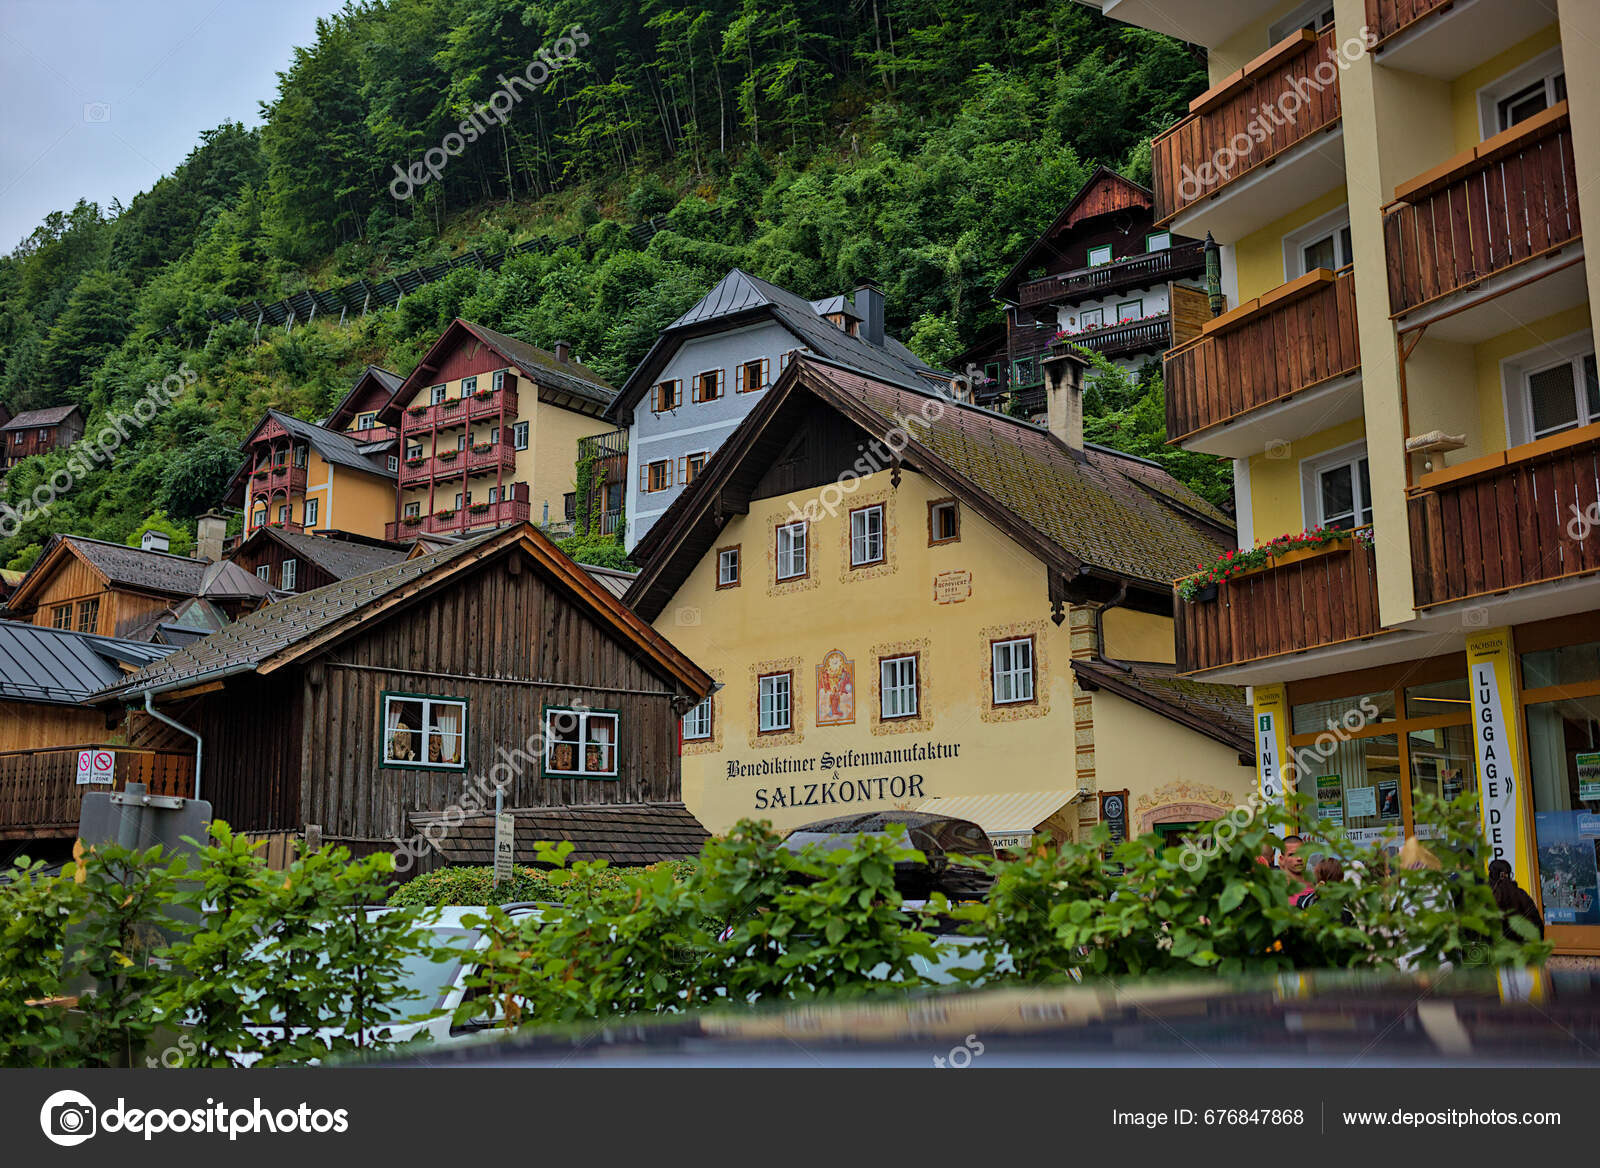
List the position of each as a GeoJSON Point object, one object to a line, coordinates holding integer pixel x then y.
{"type": "Point", "coordinates": [1575, 963]}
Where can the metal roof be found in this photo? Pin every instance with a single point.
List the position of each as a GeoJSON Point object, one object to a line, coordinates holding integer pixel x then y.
{"type": "Point", "coordinates": [336, 447]}
{"type": "Point", "coordinates": [62, 667]}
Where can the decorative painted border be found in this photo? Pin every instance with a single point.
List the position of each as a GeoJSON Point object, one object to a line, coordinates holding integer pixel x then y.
{"type": "Point", "coordinates": [797, 708]}
{"type": "Point", "coordinates": [1040, 706]}
{"type": "Point", "coordinates": [890, 564]}
{"type": "Point", "coordinates": [923, 722]}
{"type": "Point", "coordinates": [712, 745]}
{"type": "Point", "coordinates": [1179, 803]}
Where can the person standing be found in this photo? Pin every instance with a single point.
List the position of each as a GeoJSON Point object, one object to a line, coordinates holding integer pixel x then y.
{"type": "Point", "coordinates": [1513, 901]}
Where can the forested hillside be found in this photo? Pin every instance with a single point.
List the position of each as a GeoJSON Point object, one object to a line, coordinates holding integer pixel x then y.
{"type": "Point", "coordinates": [918, 143]}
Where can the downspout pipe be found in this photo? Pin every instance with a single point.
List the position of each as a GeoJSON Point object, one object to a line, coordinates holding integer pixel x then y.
{"type": "Point", "coordinates": [199, 743]}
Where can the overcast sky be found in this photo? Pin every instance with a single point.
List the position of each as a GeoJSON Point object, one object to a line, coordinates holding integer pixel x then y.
{"type": "Point", "coordinates": [99, 98]}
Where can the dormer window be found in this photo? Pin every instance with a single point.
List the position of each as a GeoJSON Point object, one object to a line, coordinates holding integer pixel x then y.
{"type": "Point", "coordinates": [366, 421]}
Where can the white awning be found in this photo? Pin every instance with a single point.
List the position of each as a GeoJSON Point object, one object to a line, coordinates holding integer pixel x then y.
{"type": "Point", "coordinates": [1011, 813]}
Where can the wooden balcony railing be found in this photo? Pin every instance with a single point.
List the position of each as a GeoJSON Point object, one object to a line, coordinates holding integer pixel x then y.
{"type": "Point", "coordinates": [39, 792]}
{"type": "Point", "coordinates": [456, 411]}
{"type": "Point", "coordinates": [466, 519]}
{"type": "Point", "coordinates": [1305, 600]}
{"type": "Point", "coordinates": [1522, 516]}
{"type": "Point", "coordinates": [1387, 18]}
{"type": "Point", "coordinates": [501, 456]}
{"type": "Point", "coordinates": [1290, 340]}
{"type": "Point", "coordinates": [1510, 199]}
{"type": "Point", "coordinates": [276, 480]}
{"type": "Point", "coordinates": [1184, 259]}
{"type": "Point", "coordinates": [1134, 336]}
{"type": "Point", "coordinates": [612, 444]}
{"type": "Point", "coordinates": [1282, 98]}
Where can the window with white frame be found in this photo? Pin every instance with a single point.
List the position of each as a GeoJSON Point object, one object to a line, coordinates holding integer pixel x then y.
{"type": "Point", "coordinates": [1099, 255]}
{"type": "Point", "coordinates": [264, 572]}
{"type": "Point", "coordinates": [313, 506]}
{"type": "Point", "coordinates": [423, 730]}
{"type": "Point", "coordinates": [1556, 388]}
{"type": "Point", "coordinates": [1316, 16]}
{"type": "Point", "coordinates": [498, 381]}
{"type": "Point", "coordinates": [775, 709]}
{"type": "Point", "coordinates": [394, 462]}
{"type": "Point", "coordinates": [1130, 310]}
{"type": "Point", "coordinates": [366, 421]}
{"type": "Point", "coordinates": [866, 536]}
{"type": "Point", "coordinates": [1339, 489]}
{"type": "Point", "coordinates": [1323, 243]}
{"type": "Point", "coordinates": [697, 723]}
{"type": "Point", "coordinates": [289, 573]}
{"type": "Point", "coordinates": [728, 567]}
{"type": "Point", "coordinates": [581, 743]}
{"type": "Point", "coordinates": [413, 450]}
{"type": "Point", "coordinates": [412, 510]}
{"type": "Point", "coordinates": [469, 386]}
{"type": "Point", "coordinates": [260, 517]}
{"type": "Point", "coordinates": [437, 394]}
{"type": "Point", "coordinates": [1091, 318]}
{"type": "Point", "coordinates": [1522, 93]}
{"type": "Point", "coordinates": [897, 687]}
{"type": "Point", "coordinates": [1011, 667]}
{"type": "Point", "coordinates": [791, 551]}
{"type": "Point", "coordinates": [519, 435]}
{"type": "Point", "coordinates": [283, 512]}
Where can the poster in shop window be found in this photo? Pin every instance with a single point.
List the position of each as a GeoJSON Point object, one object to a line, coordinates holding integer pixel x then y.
{"type": "Point", "coordinates": [1360, 802]}
{"type": "Point", "coordinates": [1389, 800]}
{"type": "Point", "coordinates": [1330, 799]}
{"type": "Point", "coordinates": [1588, 778]}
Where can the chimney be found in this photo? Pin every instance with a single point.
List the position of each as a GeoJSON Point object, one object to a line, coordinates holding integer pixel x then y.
{"type": "Point", "coordinates": [868, 302]}
{"type": "Point", "coordinates": [1063, 387]}
{"type": "Point", "coordinates": [210, 530]}
{"type": "Point", "coordinates": [155, 541]}
{"type": "Point", "coordinates": [563, 351]}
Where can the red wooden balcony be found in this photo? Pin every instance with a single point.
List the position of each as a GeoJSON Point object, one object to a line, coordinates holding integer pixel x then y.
{"type": "Point", "coordinates": [1292, 339]}
{"type": "Point", "coordinates": [1305, 600]}
{"type": "Point", "coordinates": [1511, 199]}
{"type": "Point", "coordinates": [466, 519]}
{"type": "Point", "coordinates": [456, 411]}
{"type": "Point", "coordinates": [40, 796]}
{"type": "Point", "coordinates": [1197, 157]}
{"type": "Point", "coordinates": [1387, 18]}
{"type": "Point", "coordinates": [1157, 267]}
{"type": "Point", "coordinates": [1522, 516]}
{"type": "Point", "coordinates": [268, 481]}
{"type": "Point", "coordinates": [500, 456]}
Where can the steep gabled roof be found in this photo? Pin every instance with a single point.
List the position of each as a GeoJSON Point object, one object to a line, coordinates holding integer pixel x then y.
{"type": "Point", "coordinates": [283, 632]}
{"type": "Point", "coordinates": [1099, 512]}
{"type": "Point", "coordinates": [49, 416]}
{"type": "Point", "coordinates": [1122, 193]}
{"type": "Point", "coordinates": [340, 558]}
{"type": "Point", "coordinates": [585, 389]}
{"type": "Point", "coordinates": [335, 447]}
{"type": "Point", "coordinates": [740, 298]}
{"type": "Point", "coordinates": [374, 380]}
{"type": "Point", "coordinates": [61, 667]}
{"type": "Point", "coordinates": [135, 569]}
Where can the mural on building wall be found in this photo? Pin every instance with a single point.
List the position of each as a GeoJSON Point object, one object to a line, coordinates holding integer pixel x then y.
{"type": "Point", "coordinates": [836, 690]}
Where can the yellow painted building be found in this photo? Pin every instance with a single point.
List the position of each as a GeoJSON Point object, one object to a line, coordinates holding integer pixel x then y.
{"type": "Point", "coordinates": [914, 603]}
{"type": "Point", "coordinates": [1407, 354]}
{"type": "Point", "coordinates": [488, 432]}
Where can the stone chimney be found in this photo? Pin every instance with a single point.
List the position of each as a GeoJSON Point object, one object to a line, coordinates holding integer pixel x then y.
{"type": "Point", "coordinates": [210, 530]}
{"type": "Point", "coordinates": [563, 351]}
{"type": "Point", "coordinates": [868, 302]}
{"type": "Point", "coordinates": [1063, 387]}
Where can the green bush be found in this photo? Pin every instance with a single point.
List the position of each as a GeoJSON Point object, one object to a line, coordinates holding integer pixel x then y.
{"type": "Point", "coordinates": [468, 885]}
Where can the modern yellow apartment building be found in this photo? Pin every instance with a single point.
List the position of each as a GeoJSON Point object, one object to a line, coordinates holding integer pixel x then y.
{"type": "Point", "coordinates": [1406, 351]}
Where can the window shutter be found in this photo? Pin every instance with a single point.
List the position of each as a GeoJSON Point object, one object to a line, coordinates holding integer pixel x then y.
{"type": "Point", "coordinates": [766, 366]}
{"type": "Point", "coordinates": [644, 476]}
{"type": "Point", "coordinates": [667, 471]}
{"type": "Point", "coordinates": [740, 383]}
{"type": "Point", "coordinates": [683, 463]}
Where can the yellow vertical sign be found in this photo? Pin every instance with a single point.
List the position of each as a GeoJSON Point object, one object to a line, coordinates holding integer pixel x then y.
{"type": "Point", "coordinates": [1491, 673]}
{"type": "Point", "coordinates": [1272, 742]}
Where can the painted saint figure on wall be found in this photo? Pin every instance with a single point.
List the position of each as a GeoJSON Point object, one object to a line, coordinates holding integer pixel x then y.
{"type": "Point", "coordinates": [836, 690]}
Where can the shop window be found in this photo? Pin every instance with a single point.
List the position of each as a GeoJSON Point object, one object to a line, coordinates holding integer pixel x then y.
{"type": "Point", "coordinates": [1564, 768]}
{"type": "Point", "coordinates": [1346, 714]}
{"type": "Point", "coordinates": [728, 567]}
{"type": "Point", "coordinates": [425, 731]}
{"type": "Point", "coordinates": [866, 536]}
{"type": "Point", "coordinates": [792, 563]}
{"type": "Point", "coordinates": [697, 723]}
{"type": "Point", "coordinates": [773, 696]}
{"type": "Point", "coordinates": [580, 743]}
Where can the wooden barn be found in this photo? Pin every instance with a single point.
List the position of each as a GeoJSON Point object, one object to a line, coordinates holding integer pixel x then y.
{"type": "Point", "coordinates": [406, 692]}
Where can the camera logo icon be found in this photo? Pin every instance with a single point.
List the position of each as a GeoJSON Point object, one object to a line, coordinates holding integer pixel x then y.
{"type": "Point", "coordinates": [68, 1118]}
{"type": "Point", "coordinates": [96, 111]}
